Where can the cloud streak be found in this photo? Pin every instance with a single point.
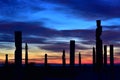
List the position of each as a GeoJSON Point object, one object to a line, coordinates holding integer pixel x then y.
{"type": "Point", "coordinates": [55, 40]}
{"type": "Point", "coordinates": [90, 10]}
{"type": "Point", "coordinates": [19, 9]}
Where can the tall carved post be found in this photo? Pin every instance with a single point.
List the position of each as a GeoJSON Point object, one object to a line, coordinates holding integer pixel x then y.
{"type": "Point", "coordinates": [79, 59]}
{"type": "Point", "coordinates": [94, 57]}
{"type": "Point", "coordinates": [72, 53]}
{"type": "Point", "coordinates": [6, 59]}
{"type": "Point", "coordinates": [46, 60]}
{"type": "Point", "coordinates": [63, 58]}
{"type": "Point", "coordinates": [26, 54]}
{"type": "Point", "coordinates": [112, 63]}
{"type": "Point", "coordinates": [18, 46]}
{"type": "Point", "coordinates": [105, 55]}
{"type": "Point", "coordinates": [18, 55]}
{"type": "Point", "coordinates": [111, 56]}
{"type": "Point", "coordinates": [99, 52]}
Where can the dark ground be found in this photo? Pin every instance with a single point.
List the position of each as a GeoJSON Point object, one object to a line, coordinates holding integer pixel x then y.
{"type": "Point", "coordinates": [31, 72]}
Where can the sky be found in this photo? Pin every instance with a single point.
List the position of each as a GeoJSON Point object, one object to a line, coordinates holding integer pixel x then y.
{"type": "Point", "coordinates": [49, 25]}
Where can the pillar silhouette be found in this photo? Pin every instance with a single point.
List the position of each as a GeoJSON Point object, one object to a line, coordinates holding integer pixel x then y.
{"type": "Point", "coordinates": [79, 59]}
{"type": "Point", "coordinates": [105, 55]}
{"type": "Point", "coordinates": [45, 59]}
{"type": "Point", "coordinates": [18, 46]}
{"type": "Point", "coordinates": [111, 56]}
{"type": "Point", "coordinates": [63, 58]}
{"type": "Point", "coordinates": [99, 52]}
{"type": "Point", "coordinates": [72, 53]}
{"type": "Point", "coordinates": [94, 57]}
{"type": "Point", "coordinates": [6, 59]}
{"type": "Point", "coordinates": [26, 54]}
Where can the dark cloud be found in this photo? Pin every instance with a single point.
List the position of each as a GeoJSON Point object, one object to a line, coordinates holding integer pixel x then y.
{"type": "Point", "coordinates": [19, 8]}
{"type": "Point", "coordinates": [37, 33]}
{"type": "Point", "coordinates": [88, 42]}
{"type": "Point", "coordinates": [111, 36]}
{"type": "Point", "coordinates": [54, 57]}
{"type": "Point", "coordinates": [90, 9]}
{"type": "Point", "coordinates": [31, 32]}
{"type": "Point", "coordinates": [112, 27]}
{"type": "Point", "coordinates": [7, 47]}
{"type": "Point", "coordinates": [117, 54]}
{"type": "Point", "coordinates": [87, 55]}
{"type": "Point", "coordinates": [80, 33]}
{"type": "Point", "coordinates": [58, 47]}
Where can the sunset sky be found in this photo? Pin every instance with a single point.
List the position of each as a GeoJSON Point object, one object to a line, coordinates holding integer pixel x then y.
{"type": "Point", "coordinates": [49, 25]}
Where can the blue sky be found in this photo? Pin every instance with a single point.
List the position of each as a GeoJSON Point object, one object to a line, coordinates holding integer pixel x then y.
{"type": "Point", "coordinates": [51, 23]}
{"type": "Point", "coordinates": [61, 14]}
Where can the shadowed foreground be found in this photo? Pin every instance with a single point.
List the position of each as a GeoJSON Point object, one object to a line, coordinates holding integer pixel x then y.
{"type": "Point", "coordinates": [85, 72]}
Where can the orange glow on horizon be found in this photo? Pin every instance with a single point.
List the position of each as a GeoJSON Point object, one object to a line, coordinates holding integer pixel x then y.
{"type": "Point", "coordinates": [37, 56]}
{"type": "Point", "coordinates": [56, 61]}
